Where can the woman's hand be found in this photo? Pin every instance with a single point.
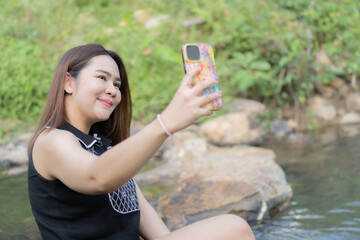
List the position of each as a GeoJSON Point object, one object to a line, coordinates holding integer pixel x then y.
{"type": "Point", "coordinates": [185, 106]}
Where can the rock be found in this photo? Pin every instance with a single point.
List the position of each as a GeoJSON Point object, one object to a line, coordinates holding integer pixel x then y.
{"type": "Point", "coordinates": [231, 129]}
{"type": "Point", "coordinates": [162, 175]}
{"type": "Point", "coordinates": [136, 127]}
{"type": "Point", "coordinates": [17, 155]}
{"type": "Point", "coordinates": [245, 105]}
{"type": "Point", "coordinates": [168, 153]}
{"type": "Point", "coordinates": [23, 139]}
{"type": "Point", "coordinates": [353, 102]}
{"type": "Point", "coordinates": [13, 156]}
{"type": "Point", "coordinates": [325, 91]}
{"type": "Point", "coordinates": [350, 130]}
{"type": "Point", "coordinates": [350, 118]}
{"type": "Point", "coordinates": [280, 128]}
{"type": "Point", "coordinates": [338, 83]}
{"type": "Point", "coordinates": [6, 164]}
{"type": "Point", "coordinates": [299, 139]}
{"type": "Point", "coordinates": [236, 181]}
{"type": "Point", "coordinates": [208, 180]}
{"type": "Point", "coordinates": [344, 90]}
{"type": "Point", "coordinates": [17, 171]}
{"type": "Point", "coordinates": [197, 200]}
{"type": "Point", "coordinates": [341, 111]}
{"type": "Point", "coordinates": [293, 124]}
{"type": "Point", "coordinates": [323, 109]}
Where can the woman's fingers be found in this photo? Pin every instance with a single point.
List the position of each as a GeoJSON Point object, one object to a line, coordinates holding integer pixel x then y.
{"type": "Point", "coordinates": [187, 82]}
{"type": "Point", "coordinates": [188, 78]}
{"type": "Point", "coordinates": [200, 87]}
{"type": "Point", "coordinates": [204, 112]}
{"type": "Point", "coordinates": [195, 93]}
{"type": "Point", "coordinates": [186, 105]}
{"type": "Point", "coordinates": [209, 97]}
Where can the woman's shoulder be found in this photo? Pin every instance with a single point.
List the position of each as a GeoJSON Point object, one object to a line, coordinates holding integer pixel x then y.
{"type": "Point", "coordinates": [52, 144]}
{"type": "Point", "coordinates": [54, 138]}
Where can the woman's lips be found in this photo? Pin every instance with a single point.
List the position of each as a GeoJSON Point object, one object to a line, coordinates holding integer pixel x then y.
{"type": "Point", "coordinates": [106, 102]}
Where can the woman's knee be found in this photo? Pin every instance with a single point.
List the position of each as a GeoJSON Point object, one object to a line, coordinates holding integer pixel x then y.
{"type": "Point", "coordinates": [238, 227]}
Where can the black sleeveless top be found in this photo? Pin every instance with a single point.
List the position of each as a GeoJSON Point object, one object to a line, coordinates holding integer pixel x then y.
{"type": "Point", "coordinates": [62, 213]}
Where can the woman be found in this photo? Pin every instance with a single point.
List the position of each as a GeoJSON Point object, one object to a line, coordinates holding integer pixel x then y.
{"type": "Point", "coordinates": [82, 159]}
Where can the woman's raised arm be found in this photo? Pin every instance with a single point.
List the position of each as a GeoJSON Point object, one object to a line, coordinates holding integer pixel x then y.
{"type": "Point", "coordinates": [84, 172]}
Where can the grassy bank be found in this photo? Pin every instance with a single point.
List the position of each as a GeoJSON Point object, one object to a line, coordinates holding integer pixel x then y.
{"type": "Point", "coordinates": [265, 50]}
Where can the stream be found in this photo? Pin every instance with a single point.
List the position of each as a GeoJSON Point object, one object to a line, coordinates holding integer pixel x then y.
{"type": "Point", "coordinates": [325, 177]}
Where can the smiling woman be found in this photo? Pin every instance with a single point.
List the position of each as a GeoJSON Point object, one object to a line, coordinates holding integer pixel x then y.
{"type": "Point", "coordinates": [82, 158]}
{"type": "Point", "coordinates": [94, 93]}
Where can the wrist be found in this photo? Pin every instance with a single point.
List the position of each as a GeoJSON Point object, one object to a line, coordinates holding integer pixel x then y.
{"type": "Point", "coordinates": [162, 125]}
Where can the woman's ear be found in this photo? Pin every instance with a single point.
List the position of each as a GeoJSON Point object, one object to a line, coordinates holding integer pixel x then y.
{"type": "Point", "coordinates": [68, 85]}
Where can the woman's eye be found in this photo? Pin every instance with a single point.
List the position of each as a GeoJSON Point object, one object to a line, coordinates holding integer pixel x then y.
{"type": "Point", "coordinates": [102, 77]}
{"type": "Point", "coordinates": [117, 85]}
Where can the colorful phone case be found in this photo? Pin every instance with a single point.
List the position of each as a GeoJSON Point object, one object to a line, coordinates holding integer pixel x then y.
{"type": "Point", "coordinates": [207, 69]}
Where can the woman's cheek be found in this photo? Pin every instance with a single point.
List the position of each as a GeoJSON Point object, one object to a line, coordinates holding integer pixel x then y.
{"type": "Point", "coordinates": [118, 97]}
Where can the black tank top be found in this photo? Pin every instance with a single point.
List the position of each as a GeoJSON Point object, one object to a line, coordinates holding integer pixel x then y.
{"type": "Point", "coordinates": [62, 213]}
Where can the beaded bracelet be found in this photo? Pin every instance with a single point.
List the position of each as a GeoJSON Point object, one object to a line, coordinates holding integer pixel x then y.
{"type": "Point", "coordinates": [163, 127]}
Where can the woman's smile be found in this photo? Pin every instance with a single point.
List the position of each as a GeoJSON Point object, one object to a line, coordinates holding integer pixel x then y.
{"type": "Point", "coordinates": [106, 102]}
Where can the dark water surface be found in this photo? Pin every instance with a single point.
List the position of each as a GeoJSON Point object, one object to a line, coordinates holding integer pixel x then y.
{"type": "Point", "coordinates": [16, 219]}
{"type": "Point", "coordinates": [324, 175]}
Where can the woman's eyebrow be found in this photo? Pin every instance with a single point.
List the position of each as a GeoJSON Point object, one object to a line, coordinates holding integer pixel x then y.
{"type": "Point", "coordinates": [109, 74]}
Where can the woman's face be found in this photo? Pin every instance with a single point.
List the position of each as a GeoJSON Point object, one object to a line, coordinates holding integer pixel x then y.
{"type": "Point", "coordinates": [96, 90]}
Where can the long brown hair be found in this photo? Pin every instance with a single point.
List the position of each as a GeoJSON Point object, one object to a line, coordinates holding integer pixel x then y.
{"type": "Point", "coordinates": [117, 127]}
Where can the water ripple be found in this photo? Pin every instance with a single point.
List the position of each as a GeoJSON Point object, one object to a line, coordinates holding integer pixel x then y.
{"type": "Point", "coordinates": [290, 224]}
{"type": "Point", "coordinates": [349, 223]}
{"type": "Point", "coordinates": [341, 211]}
{"type": "Point", "coordinates": [345, 229]}
{"type": "Point", "coordinates": [309, 216]}
{"type": "Point", "coordinates": [353, 204]}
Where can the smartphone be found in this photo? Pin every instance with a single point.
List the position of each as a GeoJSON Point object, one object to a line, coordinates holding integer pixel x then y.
{"type": "Point", "coordinates": [202, 55]}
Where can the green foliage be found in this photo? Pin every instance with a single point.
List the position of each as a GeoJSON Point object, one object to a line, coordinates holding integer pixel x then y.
{"type": "Point", "coordinates": [312, 124]}
{"type": "Point", "coordinates": [265, 50]}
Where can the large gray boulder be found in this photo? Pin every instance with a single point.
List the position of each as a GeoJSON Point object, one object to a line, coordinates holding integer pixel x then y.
{"type": "Point", "coordinates": [207, 180]}
{"type": "Point", "coordinates": [232, 129]}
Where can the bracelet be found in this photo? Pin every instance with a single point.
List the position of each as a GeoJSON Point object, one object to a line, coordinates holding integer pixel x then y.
{"type": "Point", "coordinates": [162, 126]}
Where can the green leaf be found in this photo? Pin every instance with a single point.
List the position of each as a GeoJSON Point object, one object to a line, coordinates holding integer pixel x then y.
{"type": "Point", "coordinates": [260, 65]}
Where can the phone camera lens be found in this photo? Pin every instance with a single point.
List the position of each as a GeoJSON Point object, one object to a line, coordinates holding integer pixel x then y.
{"type": "Point", "coordinates": [193, 52]}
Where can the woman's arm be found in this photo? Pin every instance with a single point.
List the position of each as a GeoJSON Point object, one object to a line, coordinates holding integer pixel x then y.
{"type": "Point", "coordinates": [151, 225]}
{"type": "Point", "coordinates": [87, 173]}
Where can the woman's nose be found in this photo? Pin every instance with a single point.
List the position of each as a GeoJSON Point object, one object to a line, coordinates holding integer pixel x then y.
{"type": "Point", "coordinates": [110, 88]}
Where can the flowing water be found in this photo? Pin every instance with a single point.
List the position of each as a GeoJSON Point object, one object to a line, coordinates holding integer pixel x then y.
{"type": "Point", "coordinates": [325, 178]}
{"type": "Point", "coordinates": [16, 219]}
{"type": "Point", "coordinates": [324, 175]}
